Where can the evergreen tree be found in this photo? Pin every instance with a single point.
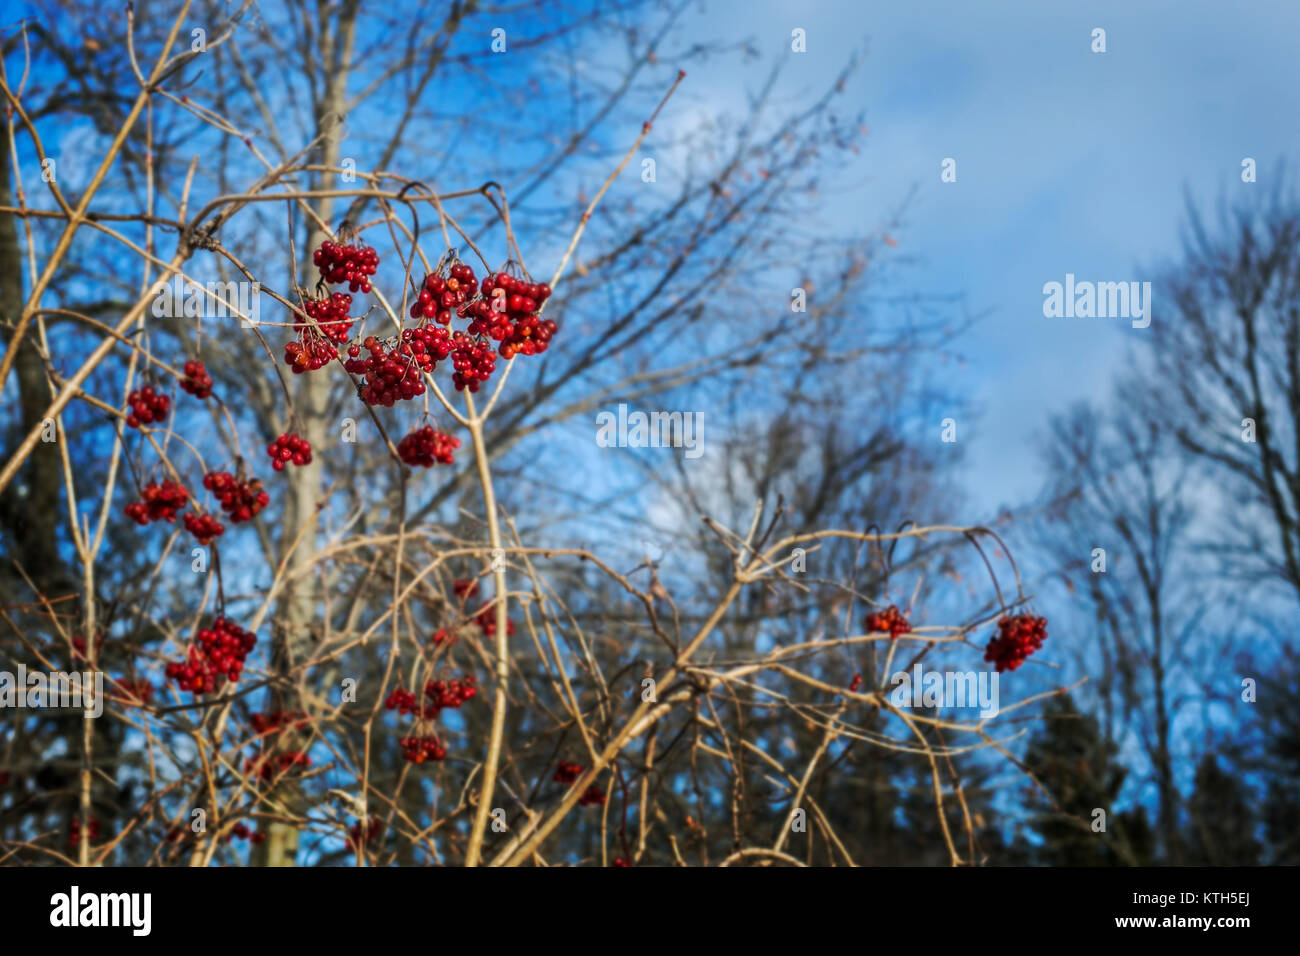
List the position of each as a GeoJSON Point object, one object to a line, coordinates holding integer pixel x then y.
{"type": "Point", "coordinates": [1076, 765]}
{"type": "Point", "coordinates": [1221, 826]}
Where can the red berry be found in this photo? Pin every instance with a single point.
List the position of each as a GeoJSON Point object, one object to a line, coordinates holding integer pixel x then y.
{"type": "Point", "coordinates": [218, 650]}
{"type": "Point", "coordinates": [197, 381]}
{"type": "Point", "coordinates": [158, 502]}
{"type": "Point", "coordinates": [240, 500]}
{"type": "Point", "coordinates": [424, 447]}
{"type": "Point", "coordinates": [145, 406]}
{"type": "Point", "coordinates": [204, 527]}
{"type": "Point", "coordinates": [344, 262]}
{"type": "Point", "coordinates": [890, 621]}
{"type": "Point", "coordinates": [289, 449]}
{"type": "Point", "coordinates": [1017, 638]}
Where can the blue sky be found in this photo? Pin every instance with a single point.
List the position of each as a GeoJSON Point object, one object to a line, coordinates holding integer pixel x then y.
{"type": "Point", "coordinates": [1067, 161]}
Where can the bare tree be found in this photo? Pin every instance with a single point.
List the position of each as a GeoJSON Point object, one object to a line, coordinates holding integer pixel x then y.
{"type": "Point", "coordinates": [1225, 352]}
{"type": "Point", "coordinates": [1118, 522]}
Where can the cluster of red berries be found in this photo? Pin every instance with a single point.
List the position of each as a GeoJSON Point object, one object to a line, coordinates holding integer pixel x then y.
{"type": "Point", "coordinates": [331, 314]}
{"type": "Point", "coordinates": [275, 764]}
{"type": "Point", "coordinates": [1017, 638]}
{"type": "Point", "coordinates": [507, 313]}
{"type": "Point", "coordinates": [566, 772]}
{"type": "Point", "coordinates": [392, 371]}
{"type": "Point", "coordinates": [473, 360]}
{"type": "Point", "coordinates": [146, 406]}
{"type": "Point", "coordinates": [79, 645]}
{"type": "Point", "coordinates": [240, 500]}
{"type": "Point", "coordinates": [450, 693]}
{"type": "Point", "coordinates": [204, 527]}
{"type": "Point", "coordinates": [138, 691]}
{"type": "Point", "coordinates": [344, 262]}
{"type": "Point", "coordinates": [277, 720]}
{"type": "Point", "coordinates": [856, 684]}
{"type": "Point", "coordinates": [420, 749]}
{"type": "Point", "coordinates": [158, 502]}
{"type": "Point", "coordinates": [242, 831]}
{"type": "Point", "coordinates": [438, 296]}
{"type": "Point", "coordinates": [403, 701]}
{"type": "Point", "coordinates": [464, 588]}
{"type": "Point", "coordinates": [424, 447]}
{"type": "Point", "coordinates": [486, 619]}
{"type": "Point", "coordinates": [362, 833]}
{"type": "Point", "coordinates": [225, 645]}
{"type": "Point", "coordinates": [74, 831]}
{"type": "Point", "coordinates": [441, 635]}
{"type": "Point", "coordinates": [192, 674]}
{"type": "Point", "coordinates": [309, 352]}
{"type": "Point", "coordinates": [890, 620]}
{"type": "Point", "coordinates": [220, 650]}
{"type": "Point", "coordinates": [441, 694]}
{"type": "Point", "coordinates": [593, 796]}
{"type": "Point", "coordinates": [197, 381]}
{"type": "Point", "coordinates": [289, 449]}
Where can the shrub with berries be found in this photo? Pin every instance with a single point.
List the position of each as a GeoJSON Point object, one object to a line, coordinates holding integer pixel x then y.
{"type": "Point", "coordinates": [196, 380]}
{"type": "Point", "coordinates": [158, 502]}
{"type": "Point", "coordinates": [504, 309]}
{"type": "Point", "coordinates": [424, 447]}
{"type": "Point", "coordinates": [1017, 638]}
{"type": "Point", "coordinates": [146, 406]}
{"type": "Point", "coordinates": [890, 621]}
{"type": "Point", "coordinates": [239, 499]}
{"type": "Point", "coordinates": [289, 449]}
